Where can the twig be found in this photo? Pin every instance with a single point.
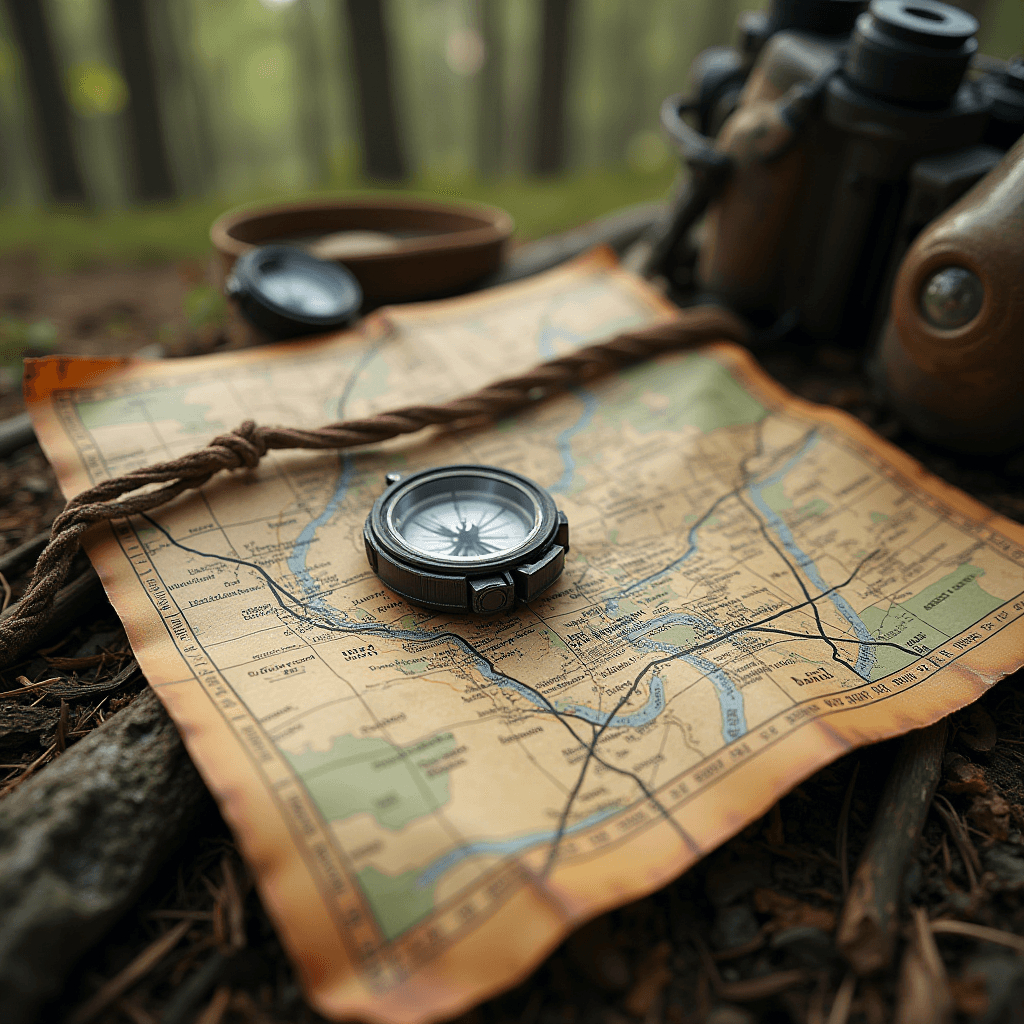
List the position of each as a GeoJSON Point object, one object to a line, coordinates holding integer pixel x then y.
{"type": "Point", "coordinates": [14, 783]}
{"type": "Point", "coordinates": [7, 593]}
{"type": "Point", "coordinates": [234, 907]}
{"type": "Point", "coordinates": [216, 1007]}
{"type": "Point", "coordinates": [816, 1002]}
{"type": "Point", "coordinates": [134, 972]}
{"type": "Point", "coordinates": [134, 1012]}
{"type": "Point", "coordinates": [981, 932]}
{"type": "Point", "coordinates": [749, 989]}
{"type": "Point", "coordinates": [840, 1012]}
{"type": "Point", "coordinates": [843, 831]}
{"type": "Point", "coordinates": [867, 927]}
{"type": "Point", "coordinates": [60, 741]}
{"type": "Point", "coordinates": [29, 687]}
{"type": "Point", "coordinates": [968, 854]}
{"type": "Point", "coordinates": [923, 995]}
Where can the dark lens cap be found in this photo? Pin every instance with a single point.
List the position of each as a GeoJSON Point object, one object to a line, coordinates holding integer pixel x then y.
{"type": "Point", "coordinates": [287, 293]}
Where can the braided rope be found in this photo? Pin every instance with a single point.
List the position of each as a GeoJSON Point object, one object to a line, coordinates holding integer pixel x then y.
{"type": "Point", "coordinates": [247, 444]}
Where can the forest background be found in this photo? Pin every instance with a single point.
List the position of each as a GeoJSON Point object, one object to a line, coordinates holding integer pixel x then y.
{"type": "Point", "coordinates": [239, 101]}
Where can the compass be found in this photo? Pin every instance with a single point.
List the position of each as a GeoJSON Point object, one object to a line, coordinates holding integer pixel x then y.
{"type": "Point", "coordinates": [466, 538]}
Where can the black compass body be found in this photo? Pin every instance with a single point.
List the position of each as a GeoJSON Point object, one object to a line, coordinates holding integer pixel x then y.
{"type": "Point", "coordinates": [466, 538]}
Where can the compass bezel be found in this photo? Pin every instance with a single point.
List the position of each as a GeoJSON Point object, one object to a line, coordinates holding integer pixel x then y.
{"type": "Point", "coordinates": [534, 498]}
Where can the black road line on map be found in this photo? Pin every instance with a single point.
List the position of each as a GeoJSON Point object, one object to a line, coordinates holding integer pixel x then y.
{"type": "Point", "coordinates": [305, 613]}
{"type": "Point", "coordinates": [709, 511]}
{"type": "Point", "coordinates": [454, 638]}
{"type": "Point", "coordinates": [763, 529]}
{"type": "Point", "coordinates": [556, 841]}
{"type": "Point", "coordinates": [843, 640]}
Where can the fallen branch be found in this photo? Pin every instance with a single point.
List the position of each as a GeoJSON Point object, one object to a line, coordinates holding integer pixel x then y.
{"type": "Point", "coordinates": [981, 932]}
{"type": "Point", "coordinates": [923, 993]}
{"type": "Point", "coordinates": [868, 925]}
{"type": "Point", "coordinates": [79, 843]}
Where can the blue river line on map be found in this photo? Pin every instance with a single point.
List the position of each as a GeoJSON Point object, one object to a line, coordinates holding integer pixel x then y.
{"type": "Point", "coordinates": [506, 847]}
{"type": "Point", "coordinates": [866, 653]}
{"type": "Point", "coordinates": [729, 697]}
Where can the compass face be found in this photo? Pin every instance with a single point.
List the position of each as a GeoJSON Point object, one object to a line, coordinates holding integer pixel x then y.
{"type": "Point", "coordinates": [466, 538]}
{"type": "Point", "coordinates": [464, 518]}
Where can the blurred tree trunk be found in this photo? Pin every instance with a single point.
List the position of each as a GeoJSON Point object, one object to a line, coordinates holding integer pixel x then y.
{"type": "Point", "coordinates": [628, 72]}
{"type": "Point", "coordinates": [52, 115]}
{"type": "Point", "coordinates": [490, 158]}
{"type": "Point", "coordinates": [147, 144]}
{"type": "Point", "coordinates": [199, 97]}
{"type": "Point", "coordinates": [549, 141]}
{"type": "Point", "coordinates": [370, 51]}
{"type": "Point", "coordinates": [187, 120]}
{"type": "Point", "coordinates": [314, 138]}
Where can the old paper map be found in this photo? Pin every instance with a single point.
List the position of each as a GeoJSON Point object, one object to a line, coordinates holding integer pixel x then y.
{"type": "Point", "coordinates": [755, 585]}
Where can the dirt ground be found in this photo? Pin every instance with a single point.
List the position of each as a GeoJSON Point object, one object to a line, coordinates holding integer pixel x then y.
{"type": "Point", "coordinates": [747, 936]}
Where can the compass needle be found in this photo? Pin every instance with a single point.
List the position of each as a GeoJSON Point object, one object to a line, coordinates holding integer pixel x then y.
{"type": "Point", "coordinates": [466, 538]}
{"type": "Point", "coordinates": [497, 515]}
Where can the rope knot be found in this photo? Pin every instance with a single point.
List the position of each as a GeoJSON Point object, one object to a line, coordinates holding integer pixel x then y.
{"type": "Point", "coordinates": [246, 443]}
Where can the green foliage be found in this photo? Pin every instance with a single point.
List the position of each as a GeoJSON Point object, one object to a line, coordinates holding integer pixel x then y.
{"type": "Point", "coordinates": [66, 239]}
{"type": "Point", "coordinates": [204, 307]}
{"type": "Point", "coordinates": [19, 336]}
{"type": "Point", "coordinates": [96, 89]}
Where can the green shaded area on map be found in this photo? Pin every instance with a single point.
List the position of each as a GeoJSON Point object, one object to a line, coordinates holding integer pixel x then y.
{"type": "Point", "coordinates": [926, 620]}
{"type": "Point", "coordinates": [706, 396]}
{"type": "Point", "coordinates": [815, 507]}
{"type": "Point", "coordinates": [156, 406]}
{"type": "Point", "coordinates": [365, 774]}
{"type": "Point", "coordinates": [398, 901]}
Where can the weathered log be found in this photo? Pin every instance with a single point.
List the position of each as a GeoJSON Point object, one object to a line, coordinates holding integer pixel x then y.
{"type": "Point", "coordinates": [868, 926]}
{"type": "Point", "coordinates": [23, 555]}
{"type": "Point", "coordinates": [79, 843]}
{"type": "Point", "coordinates": [21, 727]}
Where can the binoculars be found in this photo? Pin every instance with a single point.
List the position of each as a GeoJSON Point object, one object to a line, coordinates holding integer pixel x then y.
{"type": "Point", "coordinates": [861, 183]}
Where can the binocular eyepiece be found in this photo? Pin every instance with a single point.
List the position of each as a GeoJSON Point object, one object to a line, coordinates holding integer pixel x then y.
{"type": "Point", "coordinates": [829, 140]}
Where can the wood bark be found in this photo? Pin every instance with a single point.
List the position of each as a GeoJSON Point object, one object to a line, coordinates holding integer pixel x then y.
{"type": "Point", "coordinates": [549, 142]}
{"type": "Point", "coordinates": [147, 143]}
{"type": "Point", "coordinates": [79, 843]}
{"type": "Point", "coordinates": [870, 919]}
{"type": "Point", "coordinates": [51, 112]}
{"type": "Point", "coordinates": [383, 151]}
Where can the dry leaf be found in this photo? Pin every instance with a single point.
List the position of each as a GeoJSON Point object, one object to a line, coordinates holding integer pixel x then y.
{"type": "Point", "coordinates": [962, 776]}
{"type": "Point", "coordinates": [789, 912]}
{"type": "Point", "coordinates": [970, 994]}
{"type": "Point", "coordinates": [991, 815]}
